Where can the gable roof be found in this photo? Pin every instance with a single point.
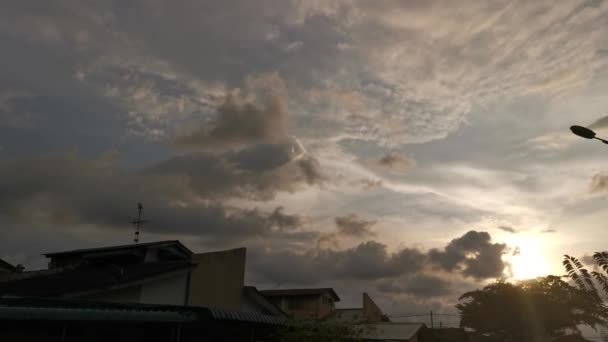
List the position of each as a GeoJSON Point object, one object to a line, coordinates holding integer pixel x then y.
{"type": "Point", "coordinates": [301, 292]}
{"type": "Point", "coordinates": [73, 281]}
{"type": "Point", "coordinates": [252, 293]}
{"type": "Point", "coordinates": [166, 243]}
{"type": "Point", "coordinates": [5, 265]}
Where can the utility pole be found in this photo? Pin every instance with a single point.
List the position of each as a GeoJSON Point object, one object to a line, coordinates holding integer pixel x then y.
{"type": "Point", "coordinates": [431, 319]}
{"type": "Point", "coordinates": [138, 222]}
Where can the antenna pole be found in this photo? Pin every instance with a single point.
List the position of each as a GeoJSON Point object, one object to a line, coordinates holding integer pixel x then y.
{"type": "Point", "coordinates": [138, 222]}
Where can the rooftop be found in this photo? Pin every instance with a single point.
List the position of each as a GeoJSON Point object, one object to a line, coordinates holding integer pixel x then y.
{"type": "Point", "coordinates": [30, 308]}
{"type": "Point", "coordinates": [166, 243]}
{"type": "Point", "coordinates": [87, 278]}
{"type": "Point", "coordinates": [301, 292]}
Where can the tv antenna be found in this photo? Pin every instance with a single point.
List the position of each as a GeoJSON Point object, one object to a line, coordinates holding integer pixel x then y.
{"type": "Point", "coordinates": [137, 223]}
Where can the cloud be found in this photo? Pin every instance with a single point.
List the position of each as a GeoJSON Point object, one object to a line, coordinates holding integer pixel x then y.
{"type": "Point", "coordinates": [473, 254]}
{"type": "Point", "coordinates": [600, 123]}
{"type": "Point", "coordinates": [468, 256]}
{"type": "Point", "coordinates": [599, 182]}
{"type": "Point", "coordinates": [507, 229]}
{"type": "Point", "coordinates": [395, 162]}
{"type": "Point", "coordinates": [257, 116]}
{"type": "Point", "coordinates": [354, 225]}
{"type": "Point", "coordinates": [548, 231]}
{"type": "Point", "coordinates": [255, 173]}
{"type": "Point", "coordinates": [422, 285]}
{"type": "Point", "coordinates": [182, 196]}
{"type": "Point", "coordinates": [370, 184]}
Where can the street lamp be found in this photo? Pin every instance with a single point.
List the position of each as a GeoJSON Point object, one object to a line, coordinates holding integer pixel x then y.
{"type": "Point", "coordinates": [586, 133]}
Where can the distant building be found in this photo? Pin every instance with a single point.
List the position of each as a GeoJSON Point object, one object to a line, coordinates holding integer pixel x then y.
{"type": "Point", "coordinates": [164, 272]}
{"type": "Point", "coordinates": [304, 303]}
{"type": "Point", "coordinates": [368, 313]}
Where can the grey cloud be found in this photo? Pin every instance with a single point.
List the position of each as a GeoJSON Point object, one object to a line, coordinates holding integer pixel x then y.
{"type": "Point", "coordinates": [473, 254]}
{"type": "Point", "coordinates": [422, 285]}
{"type": "Point", "coordinates": [371, 261]}
{"type": "Point", "coordinates": [547, 231]}
{"type": "Point", "coordinates": [240, 120]}
{"type": "Point", "coordinates": [599, 182]}
{"type": "Point", "coordinates": [395, 162]}
{"type": "Point", "coordinates": [507, 229]}
{"type": "Point", "coordinates": [371, 184]}
{"type": "Point", "coordinates": [65, 190]}
{"type": "Point", "coordinates": [354, 225]}
{"type": "Point", "coordinates": [257, 172]}
{"type": "Point", "coordinates": [368, 260]}
{"type": "Point", "coordinates": [600, 123]}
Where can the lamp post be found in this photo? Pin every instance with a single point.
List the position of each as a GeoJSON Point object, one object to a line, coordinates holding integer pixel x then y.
{"type": "Point", "coordinates": [586, 133]}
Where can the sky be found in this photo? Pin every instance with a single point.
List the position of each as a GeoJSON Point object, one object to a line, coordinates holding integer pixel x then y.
{"type": "Point", "coordinates": [413, 150]}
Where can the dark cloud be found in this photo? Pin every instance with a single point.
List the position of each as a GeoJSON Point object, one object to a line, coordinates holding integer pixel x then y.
{"type": "Point", "coordinates": [285, 221]}
{"type": "Point", "coordinates": [507, 229]}
{"type": "Point", "coordinates": [65, 190]}
{"type": "Point", "coordinates": [600, 123]}
{"type": "Point", "coordinates": [255, 173]}
{"type": "Point", "coordinates": [368, 260]}
{"type": "Point", "coordinates": [242, 120]}
{"type": "Point", "coordinates": [395, 162]}
{"type": "Point", "coordinates": [599, 182]}
{"type": "Point", "coordinates": [422, 285]}
{"type": "Point", "coordinates": [547, 231]}
{"type": "Point", "coordinates": [354, 225]}
{"type": "Point", "coordinates": [473, 254]}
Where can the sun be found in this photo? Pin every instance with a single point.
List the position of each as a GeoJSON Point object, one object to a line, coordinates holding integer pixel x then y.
{"type": "Point", "coordinates": [528, 260]}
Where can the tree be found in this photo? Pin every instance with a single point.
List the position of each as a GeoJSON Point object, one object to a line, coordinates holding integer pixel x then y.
{"type": "Point", "coordinates": [535, 310]}
{"type": "Point", "coordinates": [323, 331]}
{"type": "Point", "coordinates": [583, 278]}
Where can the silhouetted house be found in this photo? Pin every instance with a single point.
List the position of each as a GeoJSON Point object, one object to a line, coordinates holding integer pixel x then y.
{"type": "Point", "coordinates": [161, 284]}
{"type": "Point", "coordinates": [164, 272]}
{"type": "Point", "coordinates": [368, 313]}
{"type": "Point", "coordinates": [391, 331]}
{"type": "Point", "coordinates": [304, 304]}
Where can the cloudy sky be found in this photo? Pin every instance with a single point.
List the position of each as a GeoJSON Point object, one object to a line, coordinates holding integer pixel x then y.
{"type": "Point", "coordinates": [410, 149]}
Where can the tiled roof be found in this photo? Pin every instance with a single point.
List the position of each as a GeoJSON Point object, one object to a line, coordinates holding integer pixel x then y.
{"type": "Point", "coordinates": [301, 292]}
{"type": "Point", "coordinates": [115, 248]}
{"type": "Point", "coordinates": [87, 278]}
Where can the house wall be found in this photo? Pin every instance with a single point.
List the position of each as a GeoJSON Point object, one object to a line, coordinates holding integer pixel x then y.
{"type": "Point", "coordinates": [170, 291]}
{"type": "Point", "coordinates": [371, 311]}
{"type": "Point", "coordinates": [127, 295]}
{"type": "Point", "coordinates": [306, 306]}
{"type": "Point", "coordinates": [218, 279]}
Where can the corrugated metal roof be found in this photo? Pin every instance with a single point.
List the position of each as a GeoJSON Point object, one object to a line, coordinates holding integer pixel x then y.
{"type": "Point", "coordinates": [245, 317]}
{"type": "Point", "coordinates": [20, 308]}
{"type": "Point", "coordinates": [79, 314]}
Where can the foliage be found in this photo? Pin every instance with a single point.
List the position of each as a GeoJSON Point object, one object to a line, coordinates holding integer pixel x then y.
{"type": "Point", "coordinates": [583, 278]}
{"type": "Point", "coordinates": [533, 310]}
{"type": "Point", "coordinates": [323, 331]}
